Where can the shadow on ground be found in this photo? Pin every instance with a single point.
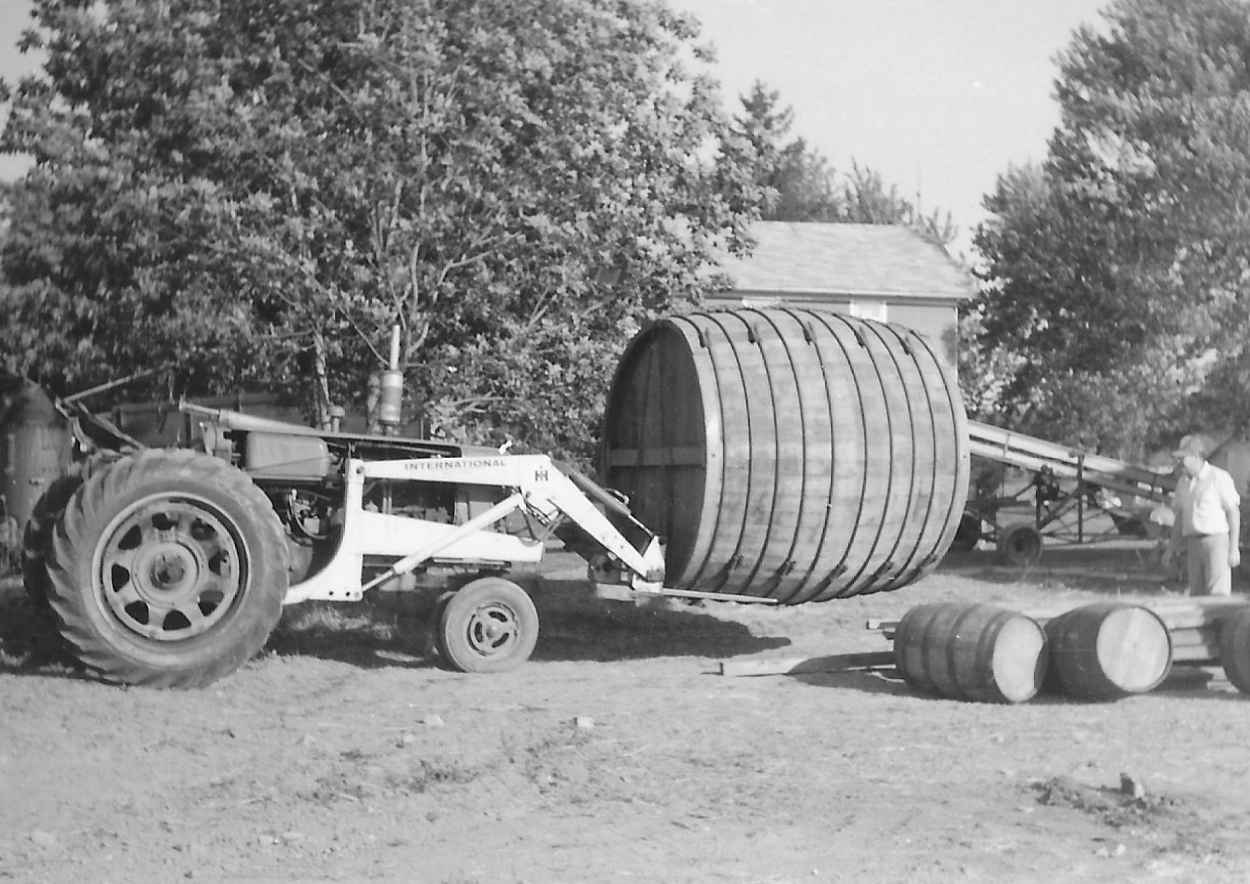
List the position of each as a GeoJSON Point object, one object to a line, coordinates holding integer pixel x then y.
{"type": "Point", "coordinates": [575, 625]}
{"type": "Point", "coordinates": [868, 681]}
{"type": "Point", "coordinates": [29, 642]}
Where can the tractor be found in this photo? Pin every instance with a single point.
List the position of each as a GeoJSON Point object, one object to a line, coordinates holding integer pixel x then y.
{"type": "Point", "coordinates": [170, 567]}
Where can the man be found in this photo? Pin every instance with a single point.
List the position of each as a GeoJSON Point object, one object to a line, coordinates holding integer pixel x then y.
{"type": "Point", "coordinates": [1208, 518]}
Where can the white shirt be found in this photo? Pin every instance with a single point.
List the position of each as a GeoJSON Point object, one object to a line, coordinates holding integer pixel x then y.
{"type": "Point", "coordinates": [1200, 500]}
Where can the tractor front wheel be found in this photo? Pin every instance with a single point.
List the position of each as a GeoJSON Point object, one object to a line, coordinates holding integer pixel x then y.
{"type": "Point", "coordinates": [167, 568]}
{"type": "Point", "coordinates": [489, 625]}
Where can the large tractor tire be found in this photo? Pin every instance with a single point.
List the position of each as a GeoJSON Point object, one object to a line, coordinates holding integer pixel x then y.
{"type": "Point", "coordinates": [47, 510]}
{"type": "Point", "coordinates": [167, 569]}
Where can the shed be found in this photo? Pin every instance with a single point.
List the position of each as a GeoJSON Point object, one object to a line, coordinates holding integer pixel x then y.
{"type": "Point", "coordinates": [877, 271]}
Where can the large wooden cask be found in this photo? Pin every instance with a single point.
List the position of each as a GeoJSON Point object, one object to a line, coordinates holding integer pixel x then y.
{"type": "Point", "coordinates": [788, 453]}
{"type": "Point", "coordinates": [971, 652]}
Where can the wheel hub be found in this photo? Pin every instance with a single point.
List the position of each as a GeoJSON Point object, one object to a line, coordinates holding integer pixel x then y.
{"type": "Point", "coordinates": [170, 568]}
{"type": "Point", "coordinates": [492, 628]}
{"type": "Point", "coordinates": [166, 570]}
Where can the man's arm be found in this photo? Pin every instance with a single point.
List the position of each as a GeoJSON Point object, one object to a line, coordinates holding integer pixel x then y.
{"type": "Point", "coordinates": [1233, 513]}
{"type": "Point", "coordinates": [1231, 503]}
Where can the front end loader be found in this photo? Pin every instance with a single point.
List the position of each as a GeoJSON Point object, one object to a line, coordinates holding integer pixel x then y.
{"type": "Point", "coordinates": [170, 567]}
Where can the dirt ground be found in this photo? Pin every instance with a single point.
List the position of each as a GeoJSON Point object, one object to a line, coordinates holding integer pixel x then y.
{"type": "Point", "coordinates": [619, 754]}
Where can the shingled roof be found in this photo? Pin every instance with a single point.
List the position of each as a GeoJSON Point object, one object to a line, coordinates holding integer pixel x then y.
{"type": "Point", "coordinates": [848, 259]}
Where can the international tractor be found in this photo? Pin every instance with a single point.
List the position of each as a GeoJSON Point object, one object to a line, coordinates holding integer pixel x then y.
{"type": "Point", "coordinates": [170, 566]}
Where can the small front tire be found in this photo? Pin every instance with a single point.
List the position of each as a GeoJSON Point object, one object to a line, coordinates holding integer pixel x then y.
{"type": "Point", "coordinates": [489, 625]}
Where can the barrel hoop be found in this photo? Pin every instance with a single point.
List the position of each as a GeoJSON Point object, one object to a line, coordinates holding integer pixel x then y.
{"type": "Point", "coordinates": [805, 421]}
{"type": "Point", "coordinates": [696, 570]}
{"type": "Point", "coordinates": [918, 637]}
{"type": "Point", "coordinates": [985, 652]}
{"type": "Point", "coordinates": [923, 555]}
{"type": "Point", "coordinates": [754, 337]}
{"type": "Point", "coordinates": [926, 614]}
{"type": "Point", "coordinates": [842, 566]}
{"type": "Point", "coordinates": [848, 574]}
{"type": "Point", "coordinates": [851, 588]}
{"type": "Point", "coordinates": [918, 427]}
{"type": "Point", "coordinates": [952, 657]}
{"type": "Point", "coordinates": [937, 393]}
{"type": "Point", "coordinates": [959, 484]}
{"type": "Point", "coordinates": [714, 467]}
{"type": "Point", "coordinates": [890, 334]}
{"type": "Point", "coordinates": [736, 558]}
{"type": "Point", "coordinates": [808, 320]}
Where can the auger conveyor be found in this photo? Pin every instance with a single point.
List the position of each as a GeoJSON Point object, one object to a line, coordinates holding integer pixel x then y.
{"type": "Point", "coordinates": [1066, 486]}
{"type": "Point", "coordinates": [1030, 453]}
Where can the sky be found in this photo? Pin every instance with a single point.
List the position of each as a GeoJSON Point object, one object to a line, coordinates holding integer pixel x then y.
{"type": "Point", "coordinates": [940, 96]}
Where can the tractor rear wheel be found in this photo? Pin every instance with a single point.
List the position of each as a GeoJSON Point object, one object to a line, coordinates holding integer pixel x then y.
{"type": "Point", "coordinates": [168, 569]}
{"type": "Point", "coordinates": [44, 515]}
{"type": "Point", "coordinates": [489, 625]}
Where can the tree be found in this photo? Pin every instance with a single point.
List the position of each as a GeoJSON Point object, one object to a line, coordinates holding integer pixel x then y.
{"type": "Point", "coordinates": [256, 192]}
{"type": "Point", "coordinates": [798, 180]}
{"type": "Point", "coordinates": [867, 199]}
{"type": "Point", "coordinates": [800, 185]}
{"type": "Point", "coordinates": [1116, 272]}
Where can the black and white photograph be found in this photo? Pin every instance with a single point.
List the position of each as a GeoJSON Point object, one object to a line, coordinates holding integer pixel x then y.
{"type": "Point", "coordinates": [661, 441]}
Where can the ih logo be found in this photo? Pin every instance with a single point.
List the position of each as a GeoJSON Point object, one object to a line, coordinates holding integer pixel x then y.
{"type": "Point", "coordinates": [540, 474]}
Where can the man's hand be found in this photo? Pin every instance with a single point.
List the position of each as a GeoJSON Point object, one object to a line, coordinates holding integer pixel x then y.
{"type": "Point", "coordinates": [1234, 555]}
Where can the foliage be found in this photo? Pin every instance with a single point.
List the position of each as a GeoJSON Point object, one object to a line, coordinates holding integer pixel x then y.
{"type": "Point", "coordinates": [254, 193]}
{"type": "Point", "coordinates": [798, 180]}
{"type": "Point", "coordinates": [1116, 272]}
{"type": "Point", "coordinates": [800, 184]}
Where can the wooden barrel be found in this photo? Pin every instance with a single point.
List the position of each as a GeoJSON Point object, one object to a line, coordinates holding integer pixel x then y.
{"type": "Point", "coordinates": [971, 652]}
{"type": "Point", "coordinates": [1108, 650]}
{"type": "Point", "coordinates": [1235, 648]}
{"type": "Point", "coordinates": [788, 453]}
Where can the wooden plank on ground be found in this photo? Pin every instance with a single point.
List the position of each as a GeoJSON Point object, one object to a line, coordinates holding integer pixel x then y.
{"type": "Point", "coordinates": [799, 665]}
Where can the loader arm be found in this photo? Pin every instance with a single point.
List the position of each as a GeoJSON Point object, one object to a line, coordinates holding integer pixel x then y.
{"type": "Point", "coordinates": [537, 487]}
{"type": "Point", "coordinates": [545, 492]}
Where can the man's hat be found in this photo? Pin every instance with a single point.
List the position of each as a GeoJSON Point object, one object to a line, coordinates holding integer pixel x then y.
{"type": "Point", "coordinates": [1194, 444]}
